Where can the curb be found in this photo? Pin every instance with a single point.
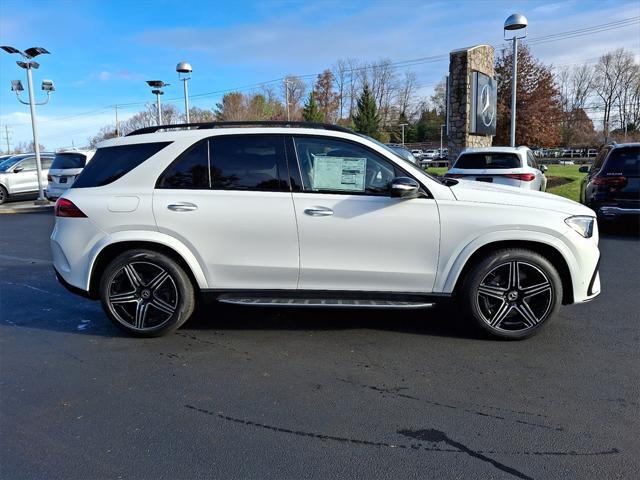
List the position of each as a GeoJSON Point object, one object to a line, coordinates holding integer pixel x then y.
{"type": "Point", "coordinates": [33, 209]}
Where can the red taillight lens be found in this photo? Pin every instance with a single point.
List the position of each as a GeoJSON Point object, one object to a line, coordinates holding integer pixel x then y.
{"type": "Point", "coordinates": [610, 181]}
{"type": "Point", "coordinates": [49, 179]}
{"type": "Point", "coordinates": [66, 208]}
{"type": "Point", "coordinates": [525, 177]}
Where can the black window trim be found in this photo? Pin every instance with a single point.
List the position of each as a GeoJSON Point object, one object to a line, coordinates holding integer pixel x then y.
{"type": "Point", "coordinates": [282, 165]}
{"type": "Point", "coordinates": [399, 171]}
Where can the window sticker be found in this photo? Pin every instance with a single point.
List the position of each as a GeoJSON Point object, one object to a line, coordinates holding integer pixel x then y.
{"type": "Point", "coordinates": [338, 173]}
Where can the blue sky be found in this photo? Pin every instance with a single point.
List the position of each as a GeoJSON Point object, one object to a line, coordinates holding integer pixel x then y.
{"type": "Point", "coordinates": [103, 51]}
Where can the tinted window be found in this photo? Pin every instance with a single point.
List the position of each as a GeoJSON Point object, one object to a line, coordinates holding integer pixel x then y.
{"type": "Point", "coordinates": [46, 162]}
{"type": "Point", "coordinates": [111, 163]}
{"type": "Point", "coordinates": [597, 163]}
{"type": "Point", "coordinates": [190, 170]}
{"type": "Point", "coordinates": [69, 160]}
{"type": "Point", "coordinates": [488, 160]}
{"type": "Point", "coordinates": [248, 162]}
{"type": "Point", "coordinates": [623, 161]}
{"type": "Point", "coordinates": [329, 165]}
{"type": "Point", "coordinates": [28, 164]}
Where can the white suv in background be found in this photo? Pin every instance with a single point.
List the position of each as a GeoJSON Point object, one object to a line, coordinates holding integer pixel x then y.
{"type": "Point", "coordinates": [19, 175]}
{"type": "Point", "coordinates": [66, 166]}
{"type": "Point", "coordinates": [512, 166]}
{"type": "Point", "coordinates": [290, 214]}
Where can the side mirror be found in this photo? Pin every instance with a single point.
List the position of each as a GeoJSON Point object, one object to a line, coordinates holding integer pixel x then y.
{"type": "Point", "coordinates": [18, 169]}
{"type": "Point", "coordinates": [584, 169]}
{"type": "Point", "coordinates": [404, 187]}
{"type": "Point", "coordinates": [543, 168]}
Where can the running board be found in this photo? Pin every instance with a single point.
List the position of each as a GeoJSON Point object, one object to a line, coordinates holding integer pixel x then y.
{"type": "Point", "coordinates": [321, 302]}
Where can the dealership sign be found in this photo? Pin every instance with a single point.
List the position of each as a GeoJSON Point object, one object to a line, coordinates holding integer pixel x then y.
{"type": "Point", "coordinates": [483, 104]}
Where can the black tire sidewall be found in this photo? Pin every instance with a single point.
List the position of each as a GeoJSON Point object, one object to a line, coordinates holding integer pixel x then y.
{"type": "Point", "coordinates": [4, 195]}
{"type": "Point", "coordinates": [186, 300]}
{"type": "Point", "coordinates": [484, 266]}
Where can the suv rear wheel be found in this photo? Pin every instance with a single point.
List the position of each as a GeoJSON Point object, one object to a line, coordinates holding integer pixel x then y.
{"type": "Point", "coordinates": [146, 293]}
{"type": "Point", "coordinates": [511, 293]}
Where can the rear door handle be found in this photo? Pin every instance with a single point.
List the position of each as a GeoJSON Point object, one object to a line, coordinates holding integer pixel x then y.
{"type": "Point", "coordinates": [318, 211]}
{"type": "Point", "coordinates": [182, 207]}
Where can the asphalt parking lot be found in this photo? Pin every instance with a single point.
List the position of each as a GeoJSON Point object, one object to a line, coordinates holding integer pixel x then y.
{"type": "Point", "coordinates": [290, 394]}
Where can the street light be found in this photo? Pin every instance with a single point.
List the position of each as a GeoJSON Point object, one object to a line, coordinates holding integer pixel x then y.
{"type": "Point", "coordinates": [47, 86]}
{"type": "Point", "coordinates": [157, 85]}
{"type": "Point", "coordinates": [442, 127]}
{"type": "Point", "coordinates": [184, 74]}
{"type": "Point", "coordinates": [514, 23]}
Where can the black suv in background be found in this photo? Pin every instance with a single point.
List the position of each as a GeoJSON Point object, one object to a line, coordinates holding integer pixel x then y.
{"type": "Point", "coordinates": [612, 186]}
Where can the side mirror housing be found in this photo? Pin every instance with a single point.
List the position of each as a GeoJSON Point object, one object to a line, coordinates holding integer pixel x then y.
{"type": "Point", "coordinates": [543, 168]}
{"type": "Point", "coordinates": [18, 169]}
{"type": "Point", "coordinates": [584, 169]}
{"type": "Point", "coordinates": [404, 187]}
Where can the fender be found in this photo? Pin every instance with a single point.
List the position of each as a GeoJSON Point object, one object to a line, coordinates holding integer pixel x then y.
{"type": "Point", "coordinates": [446, 282]}
{"type": "Point", "coordinates": [153, 237]}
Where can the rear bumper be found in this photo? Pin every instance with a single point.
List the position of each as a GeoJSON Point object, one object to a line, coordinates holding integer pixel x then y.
{"type": "Point", "coordinates": [71, 288]}
{"type": "Point", "coordinates": [613, 212]}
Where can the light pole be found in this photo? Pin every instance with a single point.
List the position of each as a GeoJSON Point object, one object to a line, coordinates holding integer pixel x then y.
{"type": "Point", "coordinates": [184, 74]}
{"type": "Point", "coordinates": [442, 127]}
{"type": "Point", "coordinates": [286, 94]}
{"type": "Point", "coordinates": [515, 22]}
{"type": "Point", "coordinates": [47, 86]}
{"type": "Point", "coordinates": [157, 85]}
{"type": "Point", "coordinates": [403, 125]}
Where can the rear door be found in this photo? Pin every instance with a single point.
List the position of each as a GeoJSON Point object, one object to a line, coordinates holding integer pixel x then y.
{"type": "Point", "coordinates": [353, 235]}
{"type": "Point", "coordinates": [228, 199]}
{"type": "Point", "coordinates": [25, 176]}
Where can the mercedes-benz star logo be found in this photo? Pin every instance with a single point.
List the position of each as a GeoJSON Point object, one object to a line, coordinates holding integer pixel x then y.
{"type": "Point", "coordinates": [488, 111]}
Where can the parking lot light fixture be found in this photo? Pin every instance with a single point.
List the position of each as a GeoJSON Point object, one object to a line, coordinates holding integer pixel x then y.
{"type": "Point", "coordinates": [402, 125]}
{"type": "Point", "coordinates": [515, 23]}
{"type": "Point", "coordinates": [184, 75]}
{"type": "Point", "coordinates": [157, 85]}
{"type": "Point", "coordinates": [16, 86]}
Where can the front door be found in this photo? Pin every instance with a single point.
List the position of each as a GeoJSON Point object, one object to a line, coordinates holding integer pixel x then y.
{"type": "Point", "coordinates": [228, 199]}
{"type": "Point", "coordinates": [353, 235]}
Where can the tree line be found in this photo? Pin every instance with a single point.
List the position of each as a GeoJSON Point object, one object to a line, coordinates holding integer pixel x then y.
{"type": "Point", "coordinates": [553, 104]}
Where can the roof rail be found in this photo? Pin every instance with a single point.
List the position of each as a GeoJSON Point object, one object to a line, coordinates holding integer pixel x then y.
{"type": "Point", "coordinates": [244, 123]}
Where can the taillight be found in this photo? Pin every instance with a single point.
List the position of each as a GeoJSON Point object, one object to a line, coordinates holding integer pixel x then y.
{"type": "Point", "coordinates": [525, 177]}
{"type": "Point", "coordinates": [49, 179]}
{"type": "Point", "coordinates": [610, 181]}
{"type": "Point", "coordinates": [66, 208]}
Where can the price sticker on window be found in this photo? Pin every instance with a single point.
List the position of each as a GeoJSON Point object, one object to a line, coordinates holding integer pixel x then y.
{"type": "Point", "coordinates": [338, 173]}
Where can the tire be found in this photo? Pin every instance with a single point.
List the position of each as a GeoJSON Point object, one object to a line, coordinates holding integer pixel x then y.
{"type": "Point", "coordinates": [4, 195]}
{"type": "Point", "coordinates": [146, 293]}
{"type": "Point", "coordinates": [508, 306]}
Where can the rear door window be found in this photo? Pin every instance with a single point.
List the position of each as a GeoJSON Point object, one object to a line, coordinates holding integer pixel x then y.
{"type": "Point", "coordinates": [111, 163]}
{"type": "Point", "coordinates": [488, 161]}
{"type": "Point", "coordinates": [69, 160]}
{"type": "Point", "coordinates": [190, 170]}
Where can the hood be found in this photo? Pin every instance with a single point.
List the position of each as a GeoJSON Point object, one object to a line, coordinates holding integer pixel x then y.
{"type": "Point", "coordinates": [481, 192]}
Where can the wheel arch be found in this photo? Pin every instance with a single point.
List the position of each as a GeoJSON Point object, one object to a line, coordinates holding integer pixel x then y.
{"type": "Point", "coordinates": [112, 250]}
{"type": "Point", "coordinates": [550, 252]}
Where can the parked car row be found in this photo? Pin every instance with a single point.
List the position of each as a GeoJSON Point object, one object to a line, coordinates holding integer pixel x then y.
{"type": "Point", "coordinates": [565, 152]}
{"type": "Point", "coordinates": [19, 176]}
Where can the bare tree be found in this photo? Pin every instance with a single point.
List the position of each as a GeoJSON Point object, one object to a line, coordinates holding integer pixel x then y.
{"type": "Point", "coordinates": [341, 74]}
{"type": "Point", "coordinates": [609, 73]}
{"type": "Point", "coordinates": [405, 93]}
{"type": "Point", "coordinates": [627, 89]}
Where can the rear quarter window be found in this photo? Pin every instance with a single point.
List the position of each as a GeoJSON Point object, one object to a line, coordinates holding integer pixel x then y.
{"type": "Point", "coordinates": [488, 160]}
{"type": "Point", "coordinates": [111, 163]}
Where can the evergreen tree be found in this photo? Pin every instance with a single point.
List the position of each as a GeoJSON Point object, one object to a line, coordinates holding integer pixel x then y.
{"type": "Point", "coordinates": [366, 118]}
{"type": "Point", "coordinates": [311, 112]}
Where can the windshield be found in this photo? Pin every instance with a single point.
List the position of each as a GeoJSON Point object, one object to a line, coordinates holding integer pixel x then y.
{"type": "Point", "coordinates": [7, 163]}
{"type": "Point", "coordinates": [69, 160]}
{"type": "Point", "coordinates": [389, 149]}
{"type": "Point", "coordinates": [488, 160]}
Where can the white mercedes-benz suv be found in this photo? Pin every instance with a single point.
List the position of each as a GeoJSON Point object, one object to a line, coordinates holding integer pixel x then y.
{"type": "Point", "coordinates": [292, 214]}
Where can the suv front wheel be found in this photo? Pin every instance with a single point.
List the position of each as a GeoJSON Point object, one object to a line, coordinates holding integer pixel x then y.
{"type": "Point", "coordinates": [511, 293]}
{"type": "Point", "coordinates": [146, 293]}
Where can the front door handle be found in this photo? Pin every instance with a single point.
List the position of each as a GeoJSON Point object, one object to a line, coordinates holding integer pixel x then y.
{"type": "Point", "coordinates": [318, 211]}
{"type": "Point", "coordinates": [182, 207]}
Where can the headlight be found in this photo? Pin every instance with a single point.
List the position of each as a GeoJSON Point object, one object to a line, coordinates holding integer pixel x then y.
{"type": "Point", "coordinates": [581, 224]}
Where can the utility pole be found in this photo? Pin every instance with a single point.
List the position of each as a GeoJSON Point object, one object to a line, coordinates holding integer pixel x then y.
{"type": "Point", "coordinates": [441, 130]}
{"type": "Point", "coordinates": [286, 94]}
{"type": "Point", "coordinates": [403, 125]}
{"type": "Point", "coordinates": [117, 123]}
{"type": "Point", "coordinates": [6, 136]}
